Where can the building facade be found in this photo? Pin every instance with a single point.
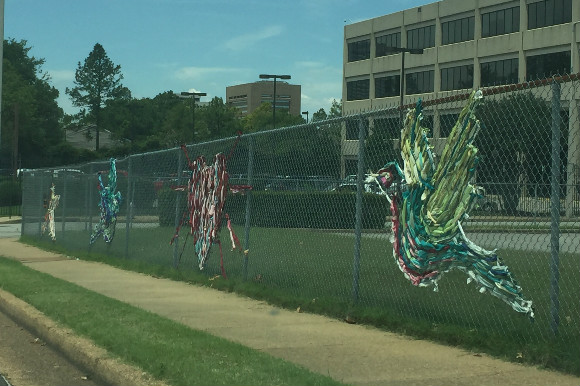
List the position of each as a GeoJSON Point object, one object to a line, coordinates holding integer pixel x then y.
{"type": "Point", "coordinates": [466, 44]}
{"type": "Point", "coordinates": [249, 96]}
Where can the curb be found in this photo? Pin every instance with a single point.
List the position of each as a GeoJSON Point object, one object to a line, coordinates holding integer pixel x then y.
{"type": "Point", "coordinates": [80, 351]}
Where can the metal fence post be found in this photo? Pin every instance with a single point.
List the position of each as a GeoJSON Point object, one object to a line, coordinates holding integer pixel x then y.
{"type": "Point", "coordinates": [358, 213]}
{"type": "Point", "coordinates": [41, 206]}
{"type": "Point", "coordinates": [248, 205]}
{"type": "Point", "coordinates": [63, 207]}
{"type": "Point", "coordinates": [555, 212]}
{"type": "Point", "coordinates": [89, 206]}
{"type": "Point", "coordinates": [177, 207]}
{"type": "Point", "coordinates": [129, 200]}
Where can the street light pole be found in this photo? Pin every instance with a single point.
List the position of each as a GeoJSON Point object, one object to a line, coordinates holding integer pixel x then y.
{"type": "Point", "coordinates": [305, 112]}
{"type": "Point", "coordinates": [270, 76]}
{"type": "Point", "coordinates": [402, 50]}
{"type": "Point", "coordinates": [193, 95]}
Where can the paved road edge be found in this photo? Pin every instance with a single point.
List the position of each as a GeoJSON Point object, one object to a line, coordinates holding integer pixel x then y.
{"type": "Point", "coordinates": [80, 351]}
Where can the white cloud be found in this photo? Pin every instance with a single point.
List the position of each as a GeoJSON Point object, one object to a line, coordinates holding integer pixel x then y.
{"type": "Point", "coordinates": [61, 76]}
{"type": "Point", "coordinates": [242, 42]}
{"type": "Point", "coordinates": [197, 73]}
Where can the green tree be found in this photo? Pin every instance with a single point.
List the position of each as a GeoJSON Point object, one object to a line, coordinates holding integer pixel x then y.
{"type": "Point", "coordinates": [262, 119]}
{"type": "Point", "coordinates": [97, 81]}
{"type": "Point", "coordinates": [29, 107]}
{"type": "Point", "coordinates": [515, 146]}
{"type": "Point", "coordinates": [220, 119]}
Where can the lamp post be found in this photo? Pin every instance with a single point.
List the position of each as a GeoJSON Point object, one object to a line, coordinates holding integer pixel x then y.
{"type": "Point", "coordinates": [270, 76]}
{"type": "Point", "coordinates": [193, 95]}
{"type": "Point", "coordinates": [402, 50]}
{"type": "Point", "coordinates": [305, 112]}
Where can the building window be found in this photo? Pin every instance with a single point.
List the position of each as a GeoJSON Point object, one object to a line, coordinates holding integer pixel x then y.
{"type": "Point", "coordinates": [549, 12]}
{"type": "Point", "coordinates": [457, 30]}
{"type": "Point", "coordinates": [359, 50]}
{"type": "Point", "coordinates": [499, 72]}
{"type": "Point", "coordinates": [446, 123]}
{"type": "Point", "coordinates": [350, 166]}
{"type": "Point", "coordinates": [419, 82]}
{"type": "Point", "coordinates": [353, 130]}
{"type": "Point", "coordinates": [541, 66]}
{"type": "Point", "coordinates": [382, 43]}
{"type": "Point", "coordinates": [457, 78]}
{"type": "Point", "coordinates": [357, 90]}
{"type": "Point", "coordinates": [500, 22]}
{"type": "Point", "coordinates": [387, 86]}
{"type": "Point", "coordinates": [423, 37]}
{"type": "Point", "coordinates": [389, 127]}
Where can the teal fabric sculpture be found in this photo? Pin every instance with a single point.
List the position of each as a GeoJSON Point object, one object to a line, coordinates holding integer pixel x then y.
{"type": "Point", "coordinates": [428, 202]}
{"type": "Point", "coordinates": [109, 206]}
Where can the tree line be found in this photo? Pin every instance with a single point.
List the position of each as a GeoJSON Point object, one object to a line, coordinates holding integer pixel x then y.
{"type": "Point", "coordinates": [34, 127]}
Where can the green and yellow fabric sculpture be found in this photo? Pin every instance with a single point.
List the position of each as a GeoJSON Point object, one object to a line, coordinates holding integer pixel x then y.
{"type": "Point", "coordinates": [429, 200]}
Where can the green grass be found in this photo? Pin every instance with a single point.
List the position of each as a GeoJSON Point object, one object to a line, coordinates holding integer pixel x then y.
{"type": "Point", "coordinates": [313, 269]}
{"type": "Point", "coordinates": [165, 349]}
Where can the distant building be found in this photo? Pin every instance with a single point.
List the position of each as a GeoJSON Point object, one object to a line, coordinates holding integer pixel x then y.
{"type": "Point", "coordinates": [467, 44]}
{"type": "Point", "coordinates": [84, 138]}
{"type": "Point", "coordinates": [249, 96]}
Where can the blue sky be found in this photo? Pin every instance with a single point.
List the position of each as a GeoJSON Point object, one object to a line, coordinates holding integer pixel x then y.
{"type": "Point", "coordinates": [201, 45]}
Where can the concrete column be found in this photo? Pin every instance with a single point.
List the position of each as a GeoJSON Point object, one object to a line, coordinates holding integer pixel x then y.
{"type": "Point", "coordinates": [573, 165]}
{"type": "Point", "coordinates": [521, 54]}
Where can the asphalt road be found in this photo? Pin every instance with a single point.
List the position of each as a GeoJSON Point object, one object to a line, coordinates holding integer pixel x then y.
{"type": "Point", "coordinates": [28, 361]}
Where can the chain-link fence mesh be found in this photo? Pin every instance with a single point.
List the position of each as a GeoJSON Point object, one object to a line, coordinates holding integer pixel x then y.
{"type": "Point", "coordinates": [308, 230]}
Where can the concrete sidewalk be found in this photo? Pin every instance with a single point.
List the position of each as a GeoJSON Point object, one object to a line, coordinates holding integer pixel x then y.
{"type": "Point", "coordinates": [353, 354]}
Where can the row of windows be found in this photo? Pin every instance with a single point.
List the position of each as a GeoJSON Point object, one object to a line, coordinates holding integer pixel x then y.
{"type": "Point", "coordinates": [504, 21]}
{"type": "Point", "coordinates": [359, 50]}
{"type": "Point", "coordinates": [457, 78]}
{"type": "Point", "coordinates": [500, 22]}
{"type": "Point", "coordinates": [549, 12]}
{"type": "Point", "coordinates": [457, 30]}
{"type": "Point", "coordinates": [499, 72]}
{"type": "Point", "coordinates": [423, 37]}
{"type": "Point", "coordinates": [461, 77]}
{"type": "Point", "coordinates": [383, 43]}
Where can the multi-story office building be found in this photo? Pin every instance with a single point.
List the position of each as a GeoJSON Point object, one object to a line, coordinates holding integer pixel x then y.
{"type": "Point", "coordinates": [466, 44]}
{"type": "Point", "coordinates": [249, 96]}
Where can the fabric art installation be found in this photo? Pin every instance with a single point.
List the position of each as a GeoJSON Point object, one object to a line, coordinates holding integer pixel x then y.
{"type": "Point", "coordinates": [109, 205]}
{"type": "Point", "coordinates": [206, 195]}
{"type": "Point", "coordinates": [49, 216]}
{"type": "Point", "coordinates": [428, 201]}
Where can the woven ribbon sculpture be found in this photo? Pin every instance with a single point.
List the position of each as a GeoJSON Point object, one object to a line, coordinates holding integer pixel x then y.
{"type": "Point", "coordinates": [428, 202]}
{"type": "Point", "coordinates": [49, 216]}
{"type": "Point", "coordinates": [206, 195]}
{"type": "Point", "coordinates": [109, 205]}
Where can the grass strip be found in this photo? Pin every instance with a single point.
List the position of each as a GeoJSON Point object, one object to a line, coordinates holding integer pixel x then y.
{"type": "Point", "coordinates": [165, 349]}
{"type": "Point", "coordinates": [312, 270]}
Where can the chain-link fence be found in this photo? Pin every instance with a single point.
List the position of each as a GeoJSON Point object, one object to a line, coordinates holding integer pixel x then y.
{"type": "Point", "coordinates": [312, 227]}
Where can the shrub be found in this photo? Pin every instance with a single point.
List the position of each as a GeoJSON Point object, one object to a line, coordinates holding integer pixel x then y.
{"type": "Point", "coordinates": [10, 193]}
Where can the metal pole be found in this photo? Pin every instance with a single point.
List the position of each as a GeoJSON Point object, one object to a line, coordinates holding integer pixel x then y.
{"type": "Point", "coordinates": [555, 212]}
{"type": "Point", "coordinates": [64, 196]}
{"type": "Point", "coordinates": [274, 106]}
{"type": "Point", "coordinates": [41, 206]}
{"type": "Point", "coordinates": [248, 205]}
{"type": "Point", "coordinates": [358, 213]}
{"type": "Point", "coordinates": [129, 206]}
{"type": "Point", "coordinates": [193, 119]}
{"type": "Point", "coordinates": [177, 207]}
{"type": "Point", "coordinates": [402, 90]}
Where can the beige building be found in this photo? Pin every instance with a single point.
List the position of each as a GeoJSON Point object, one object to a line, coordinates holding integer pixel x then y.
{"type": "Point", "coordinates": [84, 138]}
{"type": "Point", "coordinates": [249, 96]}
{"type": "Point", "coordinates": [466, 44]}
